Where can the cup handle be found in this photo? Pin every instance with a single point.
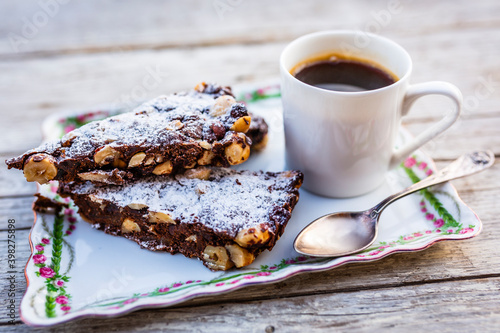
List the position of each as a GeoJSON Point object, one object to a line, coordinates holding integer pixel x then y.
{"type": "Point", "coordinates": [413, 93]}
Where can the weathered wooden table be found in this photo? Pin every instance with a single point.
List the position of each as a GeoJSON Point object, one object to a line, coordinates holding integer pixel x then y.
{"type": "Point", "coordinates": [57, 55]}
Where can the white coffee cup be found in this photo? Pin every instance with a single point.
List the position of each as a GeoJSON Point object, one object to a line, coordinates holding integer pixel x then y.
{"type": "Point", "coordinates": [344, 142]}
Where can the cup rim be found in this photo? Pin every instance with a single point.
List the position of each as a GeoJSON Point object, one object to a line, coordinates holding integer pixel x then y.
{"type": "Point", "coordinates": [400, 81]}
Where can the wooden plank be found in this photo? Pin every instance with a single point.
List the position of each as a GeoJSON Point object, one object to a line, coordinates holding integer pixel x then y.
{"type": "Point", "coordinates": [463, 137]}
{"type": "Point", "coordinates": [64, 83]}
{"type": "Point", "coordinates": [75, 27]}
{"type": "Point", "coordinates": [456, 261]}
{"type": "Point", "coordinates": [9, 286]}
{"type": "Point", "coordinates": [18, 209]}
{"type": "Point", "coordinates": [464, 306]}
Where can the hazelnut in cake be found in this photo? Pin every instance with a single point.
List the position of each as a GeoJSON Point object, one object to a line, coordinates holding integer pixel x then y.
{"type": "Point", "coordinates": [166, 135]}
{"type": "Point", "coordinates": [221, 216]}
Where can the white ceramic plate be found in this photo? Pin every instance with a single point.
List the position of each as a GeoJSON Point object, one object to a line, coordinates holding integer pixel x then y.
{"type": "Point", "coordinates": [76, 271]}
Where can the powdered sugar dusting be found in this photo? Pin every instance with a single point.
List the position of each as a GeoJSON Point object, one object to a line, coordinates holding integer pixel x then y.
{"type": "Point", "coordinates": [165, 120]}
{"type": "Point", "coordinates": [228, 202]}
{"type": "Point", "coordinates": [148, 124]}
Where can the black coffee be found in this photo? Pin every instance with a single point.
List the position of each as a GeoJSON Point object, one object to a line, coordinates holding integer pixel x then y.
{"type": "Point", "coordinates": [343, 74]}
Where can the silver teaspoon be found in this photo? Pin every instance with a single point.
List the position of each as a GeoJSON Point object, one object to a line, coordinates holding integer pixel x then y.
{"type": "Point", "coordinates": [344, 233]}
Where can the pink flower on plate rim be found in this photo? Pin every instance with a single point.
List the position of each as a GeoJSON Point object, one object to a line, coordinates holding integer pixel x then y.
{"type": "Point", "coordinates": [62, 299]}
{"type": "Point", "coordinates": [374, 253]}
{"type": "Point", "coordinates": [409, 162]}
{"type": "Point", "coordinates": [39, 248]}
{"type": "Point", "coordinates": [39, 258]}
{"type": "Point", "coordinates": [219, 284]}
{"type": "Point", "coordinates": [65, 308]}
{"type": "Point", "coordinates": [69, 128]}
{"type": "Point", "coordinates": [408, 238]}
{"type": "Point", "coordinates": [163, 290]}
{"type": "Point", "coordinates": [439, 223]}
{"type": "Point", "coordinates": [131, 300]}
{"type": "Point", "coordinates": [59, 283]}
{"type": "Point", "coordinates": [466, 230]}
{"type": "Point", "coordinates": [45, 241]}
{"type": "Point", "coordinates": [422, 165]}
{"type": "Point", "coordinates": [47, 272]}
{"type": "Point", "coordinates": [263, 273]}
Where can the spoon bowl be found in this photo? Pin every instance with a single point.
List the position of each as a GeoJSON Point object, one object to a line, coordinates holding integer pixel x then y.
{"type": "Point", "coordinates": [339, 234]}
{"type": "Point", "coordinates": [344, 233]}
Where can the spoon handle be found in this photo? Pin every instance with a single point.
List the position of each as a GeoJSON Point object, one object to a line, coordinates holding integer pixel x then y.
{"type": "Point", "coordinates": [465, 165]}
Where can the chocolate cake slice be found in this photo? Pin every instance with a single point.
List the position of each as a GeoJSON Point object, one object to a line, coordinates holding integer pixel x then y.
{"type": "Point", "coordinates": [221, 216]}
{"type": "Point", "coordinates": [167, 135]}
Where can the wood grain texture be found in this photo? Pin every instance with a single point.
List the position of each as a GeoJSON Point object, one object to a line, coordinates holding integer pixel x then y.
{"type": "Point", "coordinates": [96, 26]}
{"type": "Point", "coordinates": [33, 88]}
{"type": "Point", "coordinates": [79, 82]}
{"type": "Point", "coordinates": [17, 208]}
